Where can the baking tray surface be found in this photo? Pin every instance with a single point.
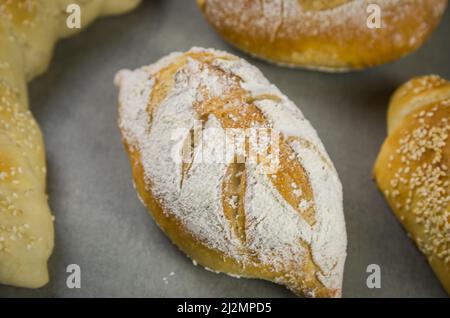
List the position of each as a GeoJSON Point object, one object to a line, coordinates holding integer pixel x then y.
{"type": "Point", "coordinates": [102, 226]}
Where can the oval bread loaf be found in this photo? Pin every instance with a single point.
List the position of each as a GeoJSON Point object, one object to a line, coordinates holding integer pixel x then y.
{"type": "Point", "coordinates": [284, 223]}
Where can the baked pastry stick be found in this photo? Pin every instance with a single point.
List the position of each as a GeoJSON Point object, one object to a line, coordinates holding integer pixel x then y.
{"type": "Point", "coordinates": [325, 35]}
{"type": "Point", "coordinates": [28, 32]}
{"type": "Point", "coordinates": [412, 168]}
{"type": "Point", "coordinates": [278, 217]}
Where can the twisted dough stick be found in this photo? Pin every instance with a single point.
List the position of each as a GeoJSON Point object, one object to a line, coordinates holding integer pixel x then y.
{"type": "Point", "coordinates": [28, 32]}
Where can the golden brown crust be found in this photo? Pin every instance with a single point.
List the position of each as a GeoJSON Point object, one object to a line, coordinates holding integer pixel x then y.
{"type": "Point", "coordinates": [212, 259]}
{"type": "Point", "coordinates": [324, 35]}
{"type": "Point", "coordinates": [233, 109]}
{"type": "Point", "coordinates": [412, 167]}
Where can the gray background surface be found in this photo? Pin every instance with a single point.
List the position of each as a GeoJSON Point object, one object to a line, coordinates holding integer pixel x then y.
{"type": "Point", "coordinates": [102, 226]}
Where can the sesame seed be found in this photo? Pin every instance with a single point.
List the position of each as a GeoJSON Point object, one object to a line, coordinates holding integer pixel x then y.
{"type": "Point", "coordinates": [423, 178]}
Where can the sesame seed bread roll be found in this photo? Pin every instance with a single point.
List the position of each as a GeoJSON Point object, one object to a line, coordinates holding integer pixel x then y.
{"type": "Point", "coordinates": [28, 32]}
{"type": "Point", "coordinates": [279, 217]}
{"type": "Point", "coordinates": [412, 168]}
{"type": "Point", "coordinates": [331, 35]}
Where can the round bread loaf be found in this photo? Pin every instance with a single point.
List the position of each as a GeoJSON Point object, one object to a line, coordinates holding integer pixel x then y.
{"type": "Point", "coordinates": [271, 210]}
{"type": "Point", "coordinates": [331, 35]}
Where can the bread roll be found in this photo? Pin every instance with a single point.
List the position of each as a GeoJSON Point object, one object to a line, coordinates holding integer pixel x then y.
{"type": "Point", "coordinates": [325, 35]}
{"type": "Point", "coordinates": [277, 216]}
{"type": "Point", "coordinates": [28, 32]}
{"type": "Point", "coordinates": [412, 168]}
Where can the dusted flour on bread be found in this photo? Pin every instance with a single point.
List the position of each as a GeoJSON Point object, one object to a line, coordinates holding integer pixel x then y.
{"type": "Point", "coordinates": [327, 35]}
{"type": "Point", "coordinates": [288, 226]}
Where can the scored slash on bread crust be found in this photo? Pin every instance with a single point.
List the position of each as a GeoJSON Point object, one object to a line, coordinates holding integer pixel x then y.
{"type": "Point", "coordinates": [412, 168]}
{"type": "Point", "coordinates": [287, 227]}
